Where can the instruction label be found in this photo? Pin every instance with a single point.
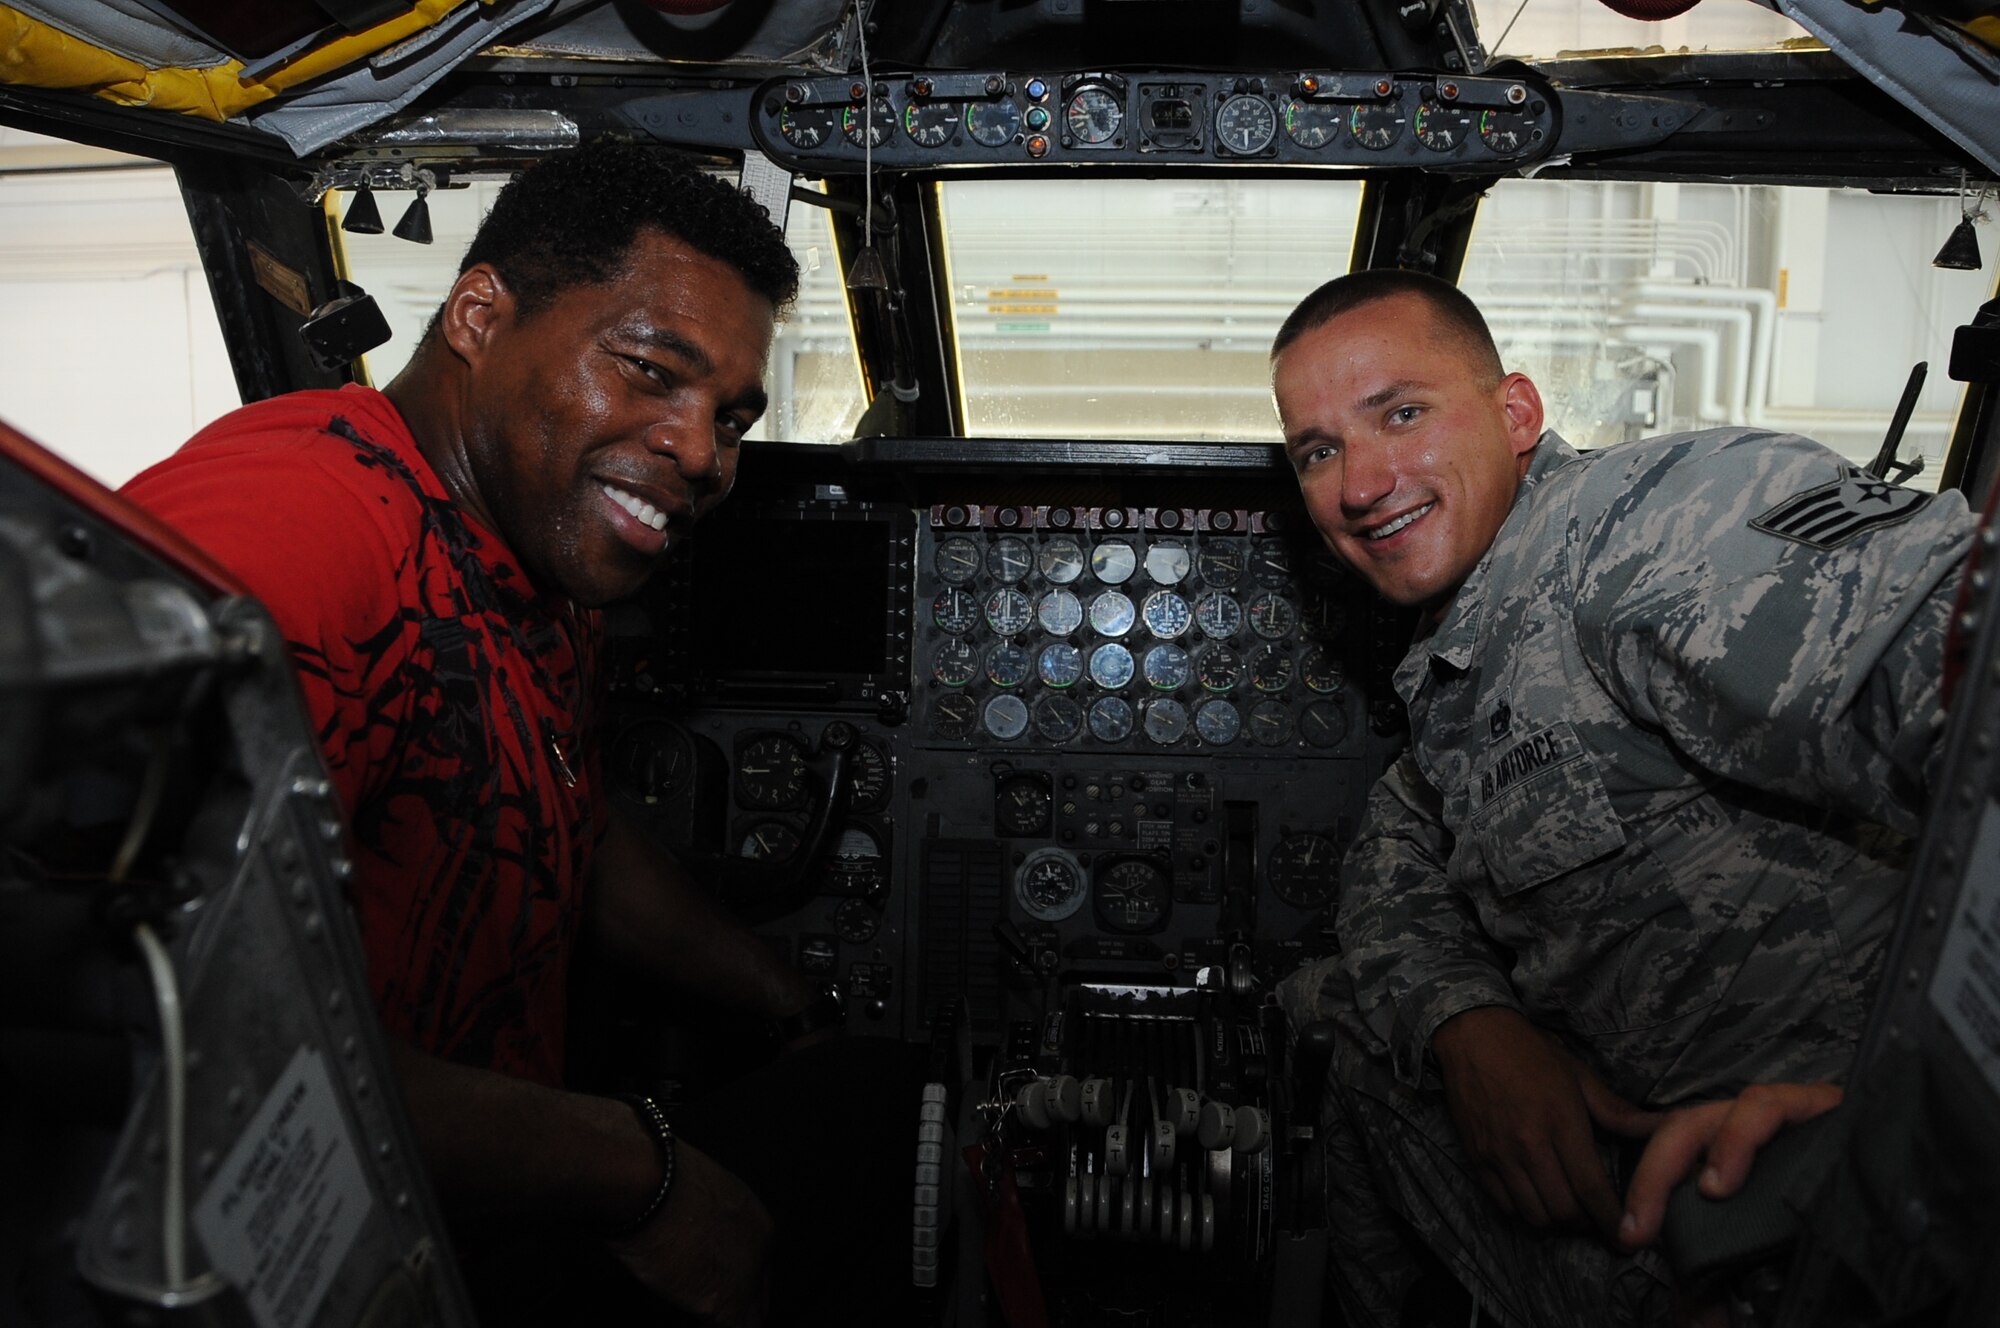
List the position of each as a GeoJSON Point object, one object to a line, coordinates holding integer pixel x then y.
{"type": "Point", "coordinates": [1966, 988]}
{"type": "Point", "coordinates": [289, 1200]}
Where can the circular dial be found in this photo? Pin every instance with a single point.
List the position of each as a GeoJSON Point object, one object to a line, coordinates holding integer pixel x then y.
{"type": "Point", "coordinates": [769, 841]}
{"type": "Point", "coordinates": [1166, 614]}
{"type": "Point", "coordinates": [957, 560]}
{"type": "Point", "coordinates": [651, 760]}
{"type": "Point", "coordinates": [1006, 717]}
{"type": "Point", "coordinates": [770, 772]}
{"type": "Point", "coordinates": [953, 715]}
{"type": "Point", "coordinates": [992, 124]}
{"type": "Point", "coordinates": [867, 777]}
{"type": "Point", "coordinates": [1111, 719]}
{"type": "Point", "coordinates": [856, 921]}
{"type": "Point", "coordinates": [1506, 132]}
{"type": "Point", "coordinates": [955, 610]}
{"type": "Point", "coordinates": [1324, 723]}
{"type": "Point", "coordinates": [1304, 870]}
{"type": "Point", "coordinates": [1221, 567]}
{"type": "Point", "coordinates": [1049, 885]}
{"type": "Point", "coordinates": [1113, 562]}
{"type": "Point", "coordinates": [1057, 718]}
{"type": "Point", "coordinates": [1021, 805]}
{"type": "Point", "coordinates": [1217, 722]}
{"type": "Point", "coordinates": [856, 865]}
{"type": "Point", "coordinates": [1270, 669]}
{"type": "Point", "coordinates": [1008, 611]}
{"type": "Point", "coordinates": [1321, 673]}
{"type": "Point", "coordinates": [1059, 612]}
{"type": "Point", "coordinates": [1166, 667]}
{"type": "Point", "coordinates": [1062, 560]}
{"type": "Point", "coordinates": [1272, 616]}
{"type": "Point", "coordinates": [1093, 115]}
{"type": "Point", "coordinates": [1218, 615]}
{"type": "Point", "coordinates": [1311, 124]}
{"type": "Point", "coordinates": [1111, 614]}
{"type": "Point", "coordinates": [1111, 667]}
{"type": "Point", "coordinates": [1060, 664]}
{"type": "Point", "coordinates": [1008, 665]}
{"type": "Point", "coordinates": [1376, 124]}
{"type": "Point", "coordinates": [1246, 124]}
{"type": "Point", "coordinates": [1166, 721]}
{"type": "Point", "coordinates": [1442, 126]}
{"type": "Point", "coordinates": [1009, 559]}
{"type": "Point", "coordinates": [1271, 564]}
{"type": "Point", "coordinates": [805, 126]}
{"type": "Point", "coordinates": [930, 123]}
{"type": "Point", "coordinates": [1270, 723]}
{"type": "Point", "coordinates": [1132, 895]}
{"type": "Point", "coordinates": [856, 121]}
{"type": "Point", "coordinates": [1169, 563]}
{"type": "Point", "coordinates": [1218, 668]}
{"type": "Point", "coordinates": [955, 663]}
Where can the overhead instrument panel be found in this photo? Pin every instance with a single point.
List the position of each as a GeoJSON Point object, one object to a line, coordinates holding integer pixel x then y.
{"type": "Point", "coordinates": [1287, 117]}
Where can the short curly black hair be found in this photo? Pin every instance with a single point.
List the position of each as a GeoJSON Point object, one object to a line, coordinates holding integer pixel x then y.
{"type": "Point", "coordinates": [570, 221]}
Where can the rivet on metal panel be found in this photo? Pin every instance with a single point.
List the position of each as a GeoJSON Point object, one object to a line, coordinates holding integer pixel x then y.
{"type": "Point", "coordinates": [403, 1200]}
{"type": "Point", "coordinates": [349, 1047]}
{"type": "Point", "coordinates": [311, 925]}
{"type": "Point", "coordinates": [335, 1000]}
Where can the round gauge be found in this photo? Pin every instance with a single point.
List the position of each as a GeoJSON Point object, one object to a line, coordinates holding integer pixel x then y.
{"type": "Point", "coordinates": [953, 715]}
{"type": "Point", "coordinates": [805, 126]}
{"type": "Point", "coordinates": [1376, 124]}
{"type": "Point", "coordinates": [930, 123]}
{"type": "Point", "coordinates": [1217, 722]}
{"type": "Point", "coordinates": [1008, 665]}
{"type": "Point", "coordinates": [1111, 667]}
{"type": "Point", "coordinates": [1221, 566]}
{"type": "Point", "coordinates": [1006, 717]}
{"type": "Point", "coordinates": [1093, 114]}
{"type": "Point", "coordinates": [1166, 667]}
{"type": "Point", "coordinates": [992, 124]}
{"type": "Point", "coordinates": [1057, 718]}
{"type": "Point", "coordinates": [1111, 719]}
{"type": "Point", "coordinates": [1246, 124]}
{"type": "Point", "coordinates": [1270, 723]}
{"type": "Point", "coordinates": [770, 772]}
{"type": "Point", "coordinates": [856, 921]}
{"type": "Point", "coordinates": [1111, 614]}
{"type": "Point", "coordinates": [1304, 871]}
{"type": "Point", "coordinates": [1049, 885]}
{"type": "Point", "coordinates": [856, 120]}
{"type": "Point", "coordinates": [1324, 723]}
{"type": "Point", "coordinates": [1021, 805]}
{"type": "Point", "coordinates": [1009, 559]}
{"type": "Point", "coordinates": [1311, 124]}
{"type": "Point", "coordinates": [1218, 615]}
{"type": "Point", "coordinates": [1113, 562]}
{"type": "Point", "coordinates": [957, 560]}
{"type": "Point", "coordinates": [1169, 563]}
{"type": "Point", "coordinates": [1166, 614]}
{"type": "Point", "coordinates": [1166, 721]}
{"type": "Point", "coordinates": [1321, 673]}
{"type": "Point", "coordinates": [651, 760]}
{"type": "Point", "coordinates": [1132, 895]}
{"type": "Point", "coordinates": [1059, 612]}
{"type": "Point", "coordinates": [1062, 560]}
{"type": "Point", "coordinates": [1060, 664]}
{"type": "Point", "coordinates": [955, 663]}
{"type": "Point", "coordinates": [769, 841]}
{"type": "Point", "coordinates": [1271, 564]}
{"type": "Point", "coordinates": [867, 777]}
{"type": "Point", "coordinates": [1442, 126]}
{"type": "Point", "coordinates": [1008, 611]}
{"type": "Point", "coordinates": [856, 868]}
{"type": "Point", "coordinates": [1272, 616]}
{"type": "Point", "coordinates": [1218, 668]}
{"type": "Point", "coordinates": [1270, 669]}
{"type": "Point", "coordinates": [1505, 132]}
{"type": "Point", "coordinates": [955, 611]}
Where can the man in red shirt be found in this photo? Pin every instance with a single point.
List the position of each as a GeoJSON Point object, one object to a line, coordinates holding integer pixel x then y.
{"type": "Point", "coordinates": [435, 555]}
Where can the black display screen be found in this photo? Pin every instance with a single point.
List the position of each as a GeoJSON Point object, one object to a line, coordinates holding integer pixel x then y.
{"type": "Point", "coordinates": [1173, 115]}
{"type": "Point", "coordinates": [807, 598]}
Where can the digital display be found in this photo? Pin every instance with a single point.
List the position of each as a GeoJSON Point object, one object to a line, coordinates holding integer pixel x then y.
{"type": "Point", "coordinates": [1172, 115]}
{"type": "Point", "coordinates": [808, 598]}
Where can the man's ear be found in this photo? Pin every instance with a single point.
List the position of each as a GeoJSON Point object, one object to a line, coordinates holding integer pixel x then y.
{"type": "Point", "coordinates": [1521, 403]}
{"type": "Point", "coordinates": [478, 305]}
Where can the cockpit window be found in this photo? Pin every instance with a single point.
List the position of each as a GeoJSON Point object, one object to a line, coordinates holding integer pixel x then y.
{"type": "Point", "coordinates": [1549, 29]}
{"type": "Point", "coordinates": [1648, 308]}
{"type": "Point", "coordinates": [1137, 309]}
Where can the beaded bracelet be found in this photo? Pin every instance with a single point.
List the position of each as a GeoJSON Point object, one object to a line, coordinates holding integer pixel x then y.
{"type": "Point", "coordinates": [655, 1124]}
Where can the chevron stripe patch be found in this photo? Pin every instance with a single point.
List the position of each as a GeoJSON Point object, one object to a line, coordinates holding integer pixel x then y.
{"type": "Point", "coordinates": [1833, 514]}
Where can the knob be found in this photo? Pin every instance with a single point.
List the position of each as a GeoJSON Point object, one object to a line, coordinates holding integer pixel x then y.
{"type": "Point", "coordinates": [1184, 1110]}
{"type": "Point", "coordinates": [1117, 1157]}
{"type": "Point", "coordinates": [1163, 1145]}
{"type": "Point", "coordinates": [1097, 1104]}
{"type": "Point", "coordinates": [1065, 1098]}
{"type": "Point", "coordinates": [1218, 1125]}
{"type": "Point", "coordinates": [1253, 1130]}
{"type": "Point", "coordinates": [1033, 1102]}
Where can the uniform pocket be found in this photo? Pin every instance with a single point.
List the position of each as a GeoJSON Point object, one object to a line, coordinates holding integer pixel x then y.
{"type": "Point", "coordinates": [1540, 811]}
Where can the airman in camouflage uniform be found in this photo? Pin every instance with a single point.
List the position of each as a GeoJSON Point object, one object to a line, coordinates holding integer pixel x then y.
{"type": "Point", "coordinates": [1651, 721]}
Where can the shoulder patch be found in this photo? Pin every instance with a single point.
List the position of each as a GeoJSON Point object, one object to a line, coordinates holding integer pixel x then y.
{"type": "Point", "coordinates": [1832, 514]}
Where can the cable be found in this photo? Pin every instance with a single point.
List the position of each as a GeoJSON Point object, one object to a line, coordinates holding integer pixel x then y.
{"type": "Point", "coordinates": [173, 1058]}
{"type": "Point", "coordinates": [867, 127]}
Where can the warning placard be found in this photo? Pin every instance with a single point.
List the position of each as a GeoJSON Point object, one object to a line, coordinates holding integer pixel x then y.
{"type": "Point", "coordinates": [1966, 987]}
{"type": "Point", "coordinates": [288, 1201]}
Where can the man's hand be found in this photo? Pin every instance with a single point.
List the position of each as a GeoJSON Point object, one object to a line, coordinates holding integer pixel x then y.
{"type": "Point", "coordinates": [1728, 1134]}
{"type": "Point", "coordinates": [708, 1249]}
{"type": "Point", "coordinates": [1524, 1107]}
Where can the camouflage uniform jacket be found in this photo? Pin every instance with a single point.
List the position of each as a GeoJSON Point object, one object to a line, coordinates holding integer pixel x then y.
{"type": "Point", "coordinates": [1645, 735]}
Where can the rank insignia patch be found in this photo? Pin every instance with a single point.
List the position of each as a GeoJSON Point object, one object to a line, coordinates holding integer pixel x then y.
{"type": "Point", "coordinates": [1832, 514]}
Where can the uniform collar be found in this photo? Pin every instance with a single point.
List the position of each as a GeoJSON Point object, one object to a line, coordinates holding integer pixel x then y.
{"type": "Point", "coordinates": [1454, 640]}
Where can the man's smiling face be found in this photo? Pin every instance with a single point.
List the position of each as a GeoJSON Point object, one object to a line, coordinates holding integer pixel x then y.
{"type": "Point", "coordinates": [1408, 452]}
